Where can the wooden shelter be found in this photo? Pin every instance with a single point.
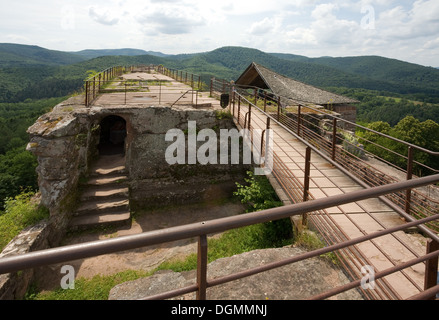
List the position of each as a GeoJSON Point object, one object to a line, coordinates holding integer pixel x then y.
{"type": "Point", "coordinates": [293, 92]}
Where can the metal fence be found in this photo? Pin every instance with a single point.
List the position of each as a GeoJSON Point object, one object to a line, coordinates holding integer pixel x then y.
{"type": "Point", "coordinates": [155, 90]}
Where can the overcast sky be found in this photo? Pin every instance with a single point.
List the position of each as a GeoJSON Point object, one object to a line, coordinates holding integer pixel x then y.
{"type": "Point", "coordinates": [405, 30]}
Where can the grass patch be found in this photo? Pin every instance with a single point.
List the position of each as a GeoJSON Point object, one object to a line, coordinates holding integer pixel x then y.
{"type": "Point", "coordinates": [97, 288]}
{"type": "Point", "coordinates": [20, 212]}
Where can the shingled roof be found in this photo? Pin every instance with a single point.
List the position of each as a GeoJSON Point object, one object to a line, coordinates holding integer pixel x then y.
{"type": "Point", "coordinates": [295, 91]}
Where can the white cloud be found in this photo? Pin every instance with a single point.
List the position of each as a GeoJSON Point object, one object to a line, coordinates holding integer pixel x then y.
{"type": "Point", "coordinates": [103, 16]}
{"type": "Point", "coordinates": [170, 19]}
{"type": "Point", "coordinates": [263, 27]}
{"type": "Point", "coordinates": [404, 29]}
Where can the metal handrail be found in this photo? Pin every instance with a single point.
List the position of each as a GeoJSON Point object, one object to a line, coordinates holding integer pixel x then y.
{"type": "Point", "coordinates": [389, 203]}
{"type": "Point", "coordinates": [100, 247]}
{"type": "Point", "coordinates": [190, 90]}
{"type": "Point", "coordinates": [408, 144]}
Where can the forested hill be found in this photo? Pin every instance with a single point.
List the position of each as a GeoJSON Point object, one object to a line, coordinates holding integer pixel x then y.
{"type": "Point", "coordinates": [34, 72]}
{"type": "Point", "coordinates": [91, 54]}
{"type": "Point", "coordinates": [16, 55]}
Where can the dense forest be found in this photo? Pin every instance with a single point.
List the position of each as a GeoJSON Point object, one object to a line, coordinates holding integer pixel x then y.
{"type": "Point", "coordinates": [392, 93]}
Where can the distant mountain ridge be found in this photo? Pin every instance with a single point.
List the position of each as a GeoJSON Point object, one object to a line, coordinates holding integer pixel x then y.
{"type": "Point", "coordinates": [22, 55]}
{"type": "Point", "coordinates": [45, 68]}
{"type": "Point", "coordinates": [95, 53]}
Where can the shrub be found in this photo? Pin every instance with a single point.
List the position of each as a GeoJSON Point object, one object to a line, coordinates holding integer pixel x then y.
{"type": "Point", "coordinates": [259, 195]}
{"type": "Point", "coordinates": [20, 212]}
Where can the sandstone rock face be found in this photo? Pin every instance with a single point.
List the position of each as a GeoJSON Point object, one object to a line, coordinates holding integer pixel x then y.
{"type": "Point", "coordinates": [297, 281]}
{"type": "Point", "coordinates": [14, 285]}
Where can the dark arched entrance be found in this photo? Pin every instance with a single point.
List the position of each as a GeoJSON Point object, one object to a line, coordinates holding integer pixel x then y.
{"type": "Point", "coordinates": [113, 135]}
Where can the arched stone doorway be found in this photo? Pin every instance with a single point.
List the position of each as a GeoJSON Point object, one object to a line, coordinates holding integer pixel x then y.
{"type": "Point", "coordinates": [113, 134]}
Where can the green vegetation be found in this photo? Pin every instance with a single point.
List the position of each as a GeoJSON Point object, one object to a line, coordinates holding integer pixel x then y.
{"type": "Point", "coordinates": [20, 212]}
{"type": "Point", "coordinates": [423, 134]}
{"type": "Point", "coordinates": [97, 288]}
{"type": "Point", "coordinates": [390, 107]}
{"type": "Point", "coordinates": [17, 166]}
{"type": "Point", "coordinates": [66, 72]}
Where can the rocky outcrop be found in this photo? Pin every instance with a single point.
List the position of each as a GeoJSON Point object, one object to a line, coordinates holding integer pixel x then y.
{"type": "Point", "coordinates": [14, 285]}
{"type": "Point", "coordinates": [296, 281]}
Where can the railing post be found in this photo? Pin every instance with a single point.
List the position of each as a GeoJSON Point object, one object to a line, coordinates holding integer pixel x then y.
{"type": "Point", "coordinates": [306, 183]}
{"type": "Point", "coordinates": [86, 94]}
{"type": "Point", "coordinates": [202, 267]}
{"type": "Point", "coordinates": [278, 108]}
{"type": "Point", "coordinates": [431, 267]}
{"type": "Point", "coordinates": [334, 137]}
{"type": "Point", "coordinates": [239, 107]}
{"type": "Point", "coordinates": [267, 127]}
{"type": "Point", "coordinates": [408, 193]}
{"type": "Point", "coordinates": [99, 88]}
{"type": "Point", "coordinates": [249, 114]}
{"type": "Point", "coordinates": [265, 101]}
{"type": "Point", "coordinates": [94, 88]}
{"type": "Point", "coordinates": [211, 87]}
{"type": "Point", "coordinates": [299, 118]}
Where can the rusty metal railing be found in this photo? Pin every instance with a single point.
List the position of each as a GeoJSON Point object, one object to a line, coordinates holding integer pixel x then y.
{"type": "Point", "coordinates": [248, 115]}
{"type": "Point", "coordinates": [201, 230]}
{"type": "Point", "coordinates": [335, 142]}
{"type": "Point", "coordinates": [185, 77]}
{"type": "Point", "coordinates": [94, 84]}
{"type": "Point", "coordinates": [140, 91]}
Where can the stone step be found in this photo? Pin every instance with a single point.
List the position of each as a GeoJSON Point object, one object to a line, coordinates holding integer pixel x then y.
{"type": "Point", "coordinates": [107, 206]}
{"type": "Point", "coordinates": [96, 192]}
{"type": "Point", "coordinates": [105, 200]}
{"type": "Point", "coordinates": [120, 218]}
{"type": "Point", "coordinates": [108, 179]}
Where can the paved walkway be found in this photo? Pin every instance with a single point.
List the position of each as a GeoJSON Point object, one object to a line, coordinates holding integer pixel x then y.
{"type": "Point", "coordinates": [163, 90]}
{"type": "Point", "coordinates": [347, 221]}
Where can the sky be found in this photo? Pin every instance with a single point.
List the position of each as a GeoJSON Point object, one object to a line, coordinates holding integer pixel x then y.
{"type": "Point", "coordinates": [404, 30]}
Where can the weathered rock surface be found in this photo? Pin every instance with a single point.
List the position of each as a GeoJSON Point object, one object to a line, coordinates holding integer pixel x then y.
{"type": "Point", "coordinates": [14, 285]}
{"type": "Point", "coordinates": [296, 281]}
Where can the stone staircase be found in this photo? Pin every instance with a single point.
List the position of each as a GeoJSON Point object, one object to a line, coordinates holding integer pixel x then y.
{"type": "Point", "coordinates": [105, 200]}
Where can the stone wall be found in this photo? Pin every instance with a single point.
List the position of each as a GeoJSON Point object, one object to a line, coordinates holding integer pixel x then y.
{"type": "Point", "coordinates": [153, 180]}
